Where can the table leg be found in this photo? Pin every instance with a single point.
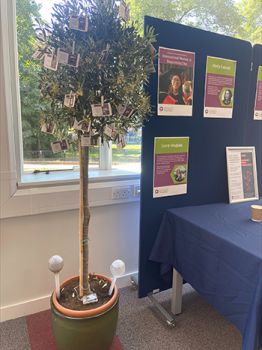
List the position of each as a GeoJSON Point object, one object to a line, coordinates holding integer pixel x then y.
{"type": "Point", "coordinates": [176, 301]}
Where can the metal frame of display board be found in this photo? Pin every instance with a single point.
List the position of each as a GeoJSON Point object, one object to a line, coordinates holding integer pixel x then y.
{"type": "Point", "coordinates": [253, 128]}
{"type": "Point", "coordinates": [207, 176]}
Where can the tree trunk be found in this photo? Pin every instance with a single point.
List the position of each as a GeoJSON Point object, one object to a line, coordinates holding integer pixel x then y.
{"type": "Point", "coordinates": [84, 218]}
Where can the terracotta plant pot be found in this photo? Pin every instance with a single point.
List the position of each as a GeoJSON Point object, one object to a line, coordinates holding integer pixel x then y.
{"type": "Point", "coordinates": [85, 330]}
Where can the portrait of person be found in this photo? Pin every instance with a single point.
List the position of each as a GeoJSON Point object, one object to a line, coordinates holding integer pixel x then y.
{"type": "Point", "coordinates": [179, 174]}
{"type": "Point", "coordinates": [187, 92]}
{"type": "Point", "coordinates": [227, 97]}
{"type": "Point", "coordinates": [175, 91]}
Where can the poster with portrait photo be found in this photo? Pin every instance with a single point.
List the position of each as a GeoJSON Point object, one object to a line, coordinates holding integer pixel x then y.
{"type": "Point", "coordinates": [219, 87]}
{"type": "Point", "coordinates": [258, 100]}
{"type": "Point", "coordinates": [242, 174]}
{"type": "Point", "coordinates": [175, 82]}
{"type": "Point", "coordinates": [170, 166]}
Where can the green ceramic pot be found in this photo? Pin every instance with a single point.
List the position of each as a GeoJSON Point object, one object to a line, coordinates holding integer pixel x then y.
{"type": "Point", "coordinates": [88, 333]}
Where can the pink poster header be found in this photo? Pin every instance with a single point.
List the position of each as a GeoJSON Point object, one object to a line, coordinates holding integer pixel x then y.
{"type": "Point", "coordinates": [176, 57]}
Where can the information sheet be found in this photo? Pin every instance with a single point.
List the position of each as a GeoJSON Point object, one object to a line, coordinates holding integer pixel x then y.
{"type": "Point", "coordinates": [242, 174]}
{"type": "Point", "coordinates": [175, 82]}
{"type": "Point", "coordinates": [170, 166]}
{"type": "Point", "coordinates": [258, 100]}
{"type": "Point", "coordinates": [219, 88]}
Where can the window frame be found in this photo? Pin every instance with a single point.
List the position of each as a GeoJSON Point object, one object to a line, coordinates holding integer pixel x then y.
{"type": "Point", "coordinates": [18, 199]}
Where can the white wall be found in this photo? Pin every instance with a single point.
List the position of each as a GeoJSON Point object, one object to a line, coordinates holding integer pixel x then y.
{"type": "Point", "coordinates": [27, 242]}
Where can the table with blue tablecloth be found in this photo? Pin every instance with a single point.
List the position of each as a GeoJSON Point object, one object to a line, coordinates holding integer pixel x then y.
{"type": "Point", "coordinates": [218, 250]}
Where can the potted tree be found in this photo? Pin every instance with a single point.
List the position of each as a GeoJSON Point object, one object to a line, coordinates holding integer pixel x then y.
{"type": "Point", "coordinates": [94, 67]}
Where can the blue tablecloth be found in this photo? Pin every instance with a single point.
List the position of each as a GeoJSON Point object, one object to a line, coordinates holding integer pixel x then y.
{"type": "Point", "coordinates": [218, 250]}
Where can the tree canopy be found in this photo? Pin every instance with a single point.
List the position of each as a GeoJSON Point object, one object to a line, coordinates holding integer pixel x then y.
{"type": "Point", "coordinates": [237, 18]}
{"type": "Point", "coordinates": [33, 139]}
{"type": "Point", "coordinates": [251, 25]}
{"type": "Point", "coordinates": [240, 19]}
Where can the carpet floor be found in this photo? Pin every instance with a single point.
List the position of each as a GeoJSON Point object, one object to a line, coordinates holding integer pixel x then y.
{"type": "Point", "coordinates": [199, 327]}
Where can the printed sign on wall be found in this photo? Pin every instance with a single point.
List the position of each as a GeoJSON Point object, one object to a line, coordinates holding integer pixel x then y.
{"type": "Point", "coordinates": [242, 174]}
{"type": "Point", "coordinates": [170, 166]}
{"type": "Point", "coordinates": [175, 82]}
{"type": "Point", "coordinates": [258, 100]}
{"type": "Point", "coordinates": [219, 89]}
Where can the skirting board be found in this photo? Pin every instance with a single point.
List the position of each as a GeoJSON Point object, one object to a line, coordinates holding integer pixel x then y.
{"type": "Point", "coordinates": [32, 306]}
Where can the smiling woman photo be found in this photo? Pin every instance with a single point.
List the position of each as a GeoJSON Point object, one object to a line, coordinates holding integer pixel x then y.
{"type": "Point", "coordinates": [175, 92]}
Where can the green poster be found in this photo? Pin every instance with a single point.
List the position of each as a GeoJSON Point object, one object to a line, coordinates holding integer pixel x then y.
{"type": "Point", "coordinates": [220, 87]}
{"type": "Point", "coordinates": [170, 166]}
{"type": "Point", "coordinates": [258, 101]}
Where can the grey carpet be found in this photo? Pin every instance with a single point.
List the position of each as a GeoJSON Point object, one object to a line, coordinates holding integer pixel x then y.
{"type": "Point", "coordinates": [199, 327]}
{"type": "Point", "coordinates": [13, 335]}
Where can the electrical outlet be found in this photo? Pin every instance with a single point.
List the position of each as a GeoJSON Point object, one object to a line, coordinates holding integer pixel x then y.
{"type": "Point", "coordinates": [121, 193]}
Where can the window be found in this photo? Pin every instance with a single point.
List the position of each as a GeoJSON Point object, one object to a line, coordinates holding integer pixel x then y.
{"type": "Point", "coordinates": [39, 163]}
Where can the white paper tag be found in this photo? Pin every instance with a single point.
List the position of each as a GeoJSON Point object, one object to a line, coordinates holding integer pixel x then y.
{"type": "Point", "coordinates": [48, 128]}
{"type": "Point", "coordinates": [62, 56]}
{"type": "Point", "coordinates": [69, 100]}
{"type": "Point", "coordinates": [78, 23]}
{"type": "Point", "coordinates": [38, 55]}
{"type": "Point", "coordinates": [89, 299]}
{"type": "Point", "coordinates": [124, 11]}
{"type": "Point", "coordinates": [59, 146]}
{"type": "Point", "coordinates": [50, 61]}
{"type": "Point", "coordinates": [85, 140]}
{"type": "Point", "coordinates": [108, 131]}
{"type": "Point", "coordinates": [99, 110]}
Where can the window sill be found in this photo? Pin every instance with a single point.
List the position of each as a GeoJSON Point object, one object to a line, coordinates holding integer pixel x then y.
{"type": "Point", "coordinates": [34, 198]}
{"type": "Point", "coordinates": [72, 177]}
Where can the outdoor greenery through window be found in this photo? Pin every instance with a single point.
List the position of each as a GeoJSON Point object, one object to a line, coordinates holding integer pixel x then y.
{"type": "Point", "coordinates": [237, 18]}
{"type": "Point", "coordinates": [37, 154]}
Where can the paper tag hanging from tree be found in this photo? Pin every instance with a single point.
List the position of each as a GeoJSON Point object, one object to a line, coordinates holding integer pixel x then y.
{"type": "Point", "coordinates": [62, 55]}
{"type": "Point", "coordinates": [108, 130]}
{"type": "Point", "coordinates": [121, 142]}
{"type": "Point", "coordinates": [84, 126]}
{"type": "Point", "coordinates": [94, 141]}
{"type": "Point", "coordinates": [125, 111]}
{"type": "Point", "coordinates": [70, 59]}
{"type": "Point", "coordinates": [73, 59]}
{"type": "Point", "coordinates": [59, 146]}
{"type": "Point", "coordinates": [69, 100]}
{"type": "Point", "coordinates": [48, 127]}
{"type": "Point", "coordinates": [85, 140]}
{"type": "Point", "coordinates": [51, 61]}
{"type": "Point", "coordinates": [99, 110]}
{"type": "Point", "coordinates": [124, 11]}
{"type": "Point", "coordinates": [78, 23]}
{"type": "Point", "coordinates": [104, 54]}
{"type": "Point", "coordinates": [38, 55]}
{"type": "Point", "coordinates": [75, 125]}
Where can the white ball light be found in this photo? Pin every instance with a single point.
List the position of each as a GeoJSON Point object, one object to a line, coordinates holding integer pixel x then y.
{"type": "Point", "coordinates": [117, 268]}
{"type": "Point", "coordinates": [55, 263]}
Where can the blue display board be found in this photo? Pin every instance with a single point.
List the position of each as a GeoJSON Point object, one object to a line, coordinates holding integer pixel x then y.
{"type": "Point", "coordinates": [207, 176]}
{"type": "Point", "coordinates": [253, 128]}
